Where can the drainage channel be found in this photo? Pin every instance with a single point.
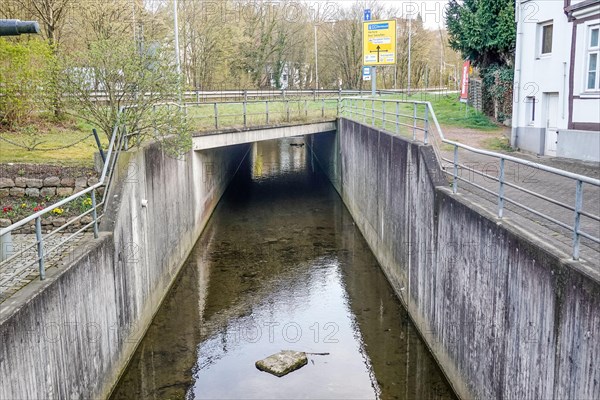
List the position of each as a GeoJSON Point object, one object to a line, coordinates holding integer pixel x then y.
{"type": "Point", "coordinates": [281, 266]}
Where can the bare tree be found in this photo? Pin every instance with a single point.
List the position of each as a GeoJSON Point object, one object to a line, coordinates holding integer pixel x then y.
{"type": "Point", "coordinates": [51, 15]}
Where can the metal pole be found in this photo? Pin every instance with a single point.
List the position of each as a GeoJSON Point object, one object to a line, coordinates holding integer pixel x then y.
{"type": "Point", "coordinates": [40, 247]}
{"type": "Point", "coordinates": [426, 129]}
{"type": "Point", "coordinates": [245, 118]}
{"type": "Point", "coordinates": [177, 60]}
{"type": "Point", "coordinates": [578, 205]}
{"type": "Point", "coordinates": [267, 111]}
{"type": "Point", "coordinates": [322, 108]}
{"type": "Point", "coordinates": [216, 115]}
{"type": "Point", "coordinates": [373, 113]}
{"type": "Point", "coordinates": [94, 214]}
{"type": "Point", "coordinates": [409, 46]}
{"type": "Point", "coordinates": [287, 109]}
{"type": "Point", "coordinates": [373, 81]}
{"type": "Point", "coordinates": [383, 114]}
{"type": "Point", "coordinates": [415, 121]}
{"type": "Point", "coordinates": [455, 179]}
{"type": "Point", "coordinates": [316, 60]}
{"type": "Point", "coordinates": [99, 145]}
{"type": "Point", "coordinates": [364, 112]}
{"type": "Point", "coordinates": [501, 190]}
{"type": "Point", "coordinates": [397, 118]}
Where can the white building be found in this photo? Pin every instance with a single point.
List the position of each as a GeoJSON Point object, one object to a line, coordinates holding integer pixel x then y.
{"type": "Point", "coordinates": [557, 78]}
{"type": "Point", "coordinates": [291, 76]}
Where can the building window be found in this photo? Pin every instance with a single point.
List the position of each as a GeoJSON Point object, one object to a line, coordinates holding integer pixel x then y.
{"type": "Point", "coordinates": [530, 110]}
{"type": "Point", "coordinates": [593, 53]}
{"type": "Point", "coordinates": [546, 30]}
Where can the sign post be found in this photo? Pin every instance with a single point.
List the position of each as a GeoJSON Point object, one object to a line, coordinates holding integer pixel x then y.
{"type": "Point", "coordinates": [371, 76]}
{"type": "Point", "coordinates": [379, 46]}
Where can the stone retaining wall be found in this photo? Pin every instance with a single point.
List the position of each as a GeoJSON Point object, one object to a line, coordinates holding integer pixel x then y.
{"type": "Point", "coordinates": [50, 190]}
{"type": "Point", "coordinates": [48, 187]}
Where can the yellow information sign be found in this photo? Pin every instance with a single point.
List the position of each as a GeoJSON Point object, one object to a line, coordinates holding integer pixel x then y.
{"type": "Point", "coordinates": [379, 42]}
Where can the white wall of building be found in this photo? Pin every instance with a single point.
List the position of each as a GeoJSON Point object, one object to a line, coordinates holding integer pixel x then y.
{"type": "Point", "coordinates": [543, 73]}
{"type": "Point", "coordinates": [541, 113]}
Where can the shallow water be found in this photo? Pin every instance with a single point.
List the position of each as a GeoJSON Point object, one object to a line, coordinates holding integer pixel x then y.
{"type": "Point", "coordinates": [281, 266]}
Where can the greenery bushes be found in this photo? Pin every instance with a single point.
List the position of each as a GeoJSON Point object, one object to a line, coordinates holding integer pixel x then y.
{"type": "Point", "coordinates": [25, 79]}
{"type": "Point", "coordinates": [497, 91]}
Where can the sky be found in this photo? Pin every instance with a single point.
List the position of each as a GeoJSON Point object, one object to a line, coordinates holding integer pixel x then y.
{"type": "Point", "coordinates": [432, 11]}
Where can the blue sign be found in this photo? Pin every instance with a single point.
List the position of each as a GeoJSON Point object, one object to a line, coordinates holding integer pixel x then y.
{"type": "Point", "coordinates": [366, 73]}
{"type": "Point", "coordinates": [367, 16]}
{"type": "Point", "coordinates": [379, 27]}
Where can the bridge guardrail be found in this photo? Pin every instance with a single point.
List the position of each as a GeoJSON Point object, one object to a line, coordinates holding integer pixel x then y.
{"type": "Point", "coordinates": [418, 124]}
{"type": "Point", "coordinates": [210, 96]}
{"type": "Point", "coordinates": [256, 112]}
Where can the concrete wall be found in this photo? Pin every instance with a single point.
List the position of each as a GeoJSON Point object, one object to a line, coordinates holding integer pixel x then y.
{"type": "Point", "coordinates": [531, 139]}
{"type": "Point", "coordinates": [71, 335]}
{"type": "Point", "coordinates": [503, 315]}
{"type": "Point", "coordinates": [229, 137]}
{"type": "Point", "coordinates": [581, 145]}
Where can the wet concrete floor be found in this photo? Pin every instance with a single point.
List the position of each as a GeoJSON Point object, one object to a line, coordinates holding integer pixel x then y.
{"type": "Point", "coordinates": [281, 266]}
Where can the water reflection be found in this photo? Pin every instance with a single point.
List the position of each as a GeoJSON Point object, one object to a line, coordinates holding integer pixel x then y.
{"type": "Point", "coordinates": [281, 266]}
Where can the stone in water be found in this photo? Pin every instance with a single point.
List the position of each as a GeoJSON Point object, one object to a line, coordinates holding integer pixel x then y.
{"type": "Point", "coordinates": [282, 363]}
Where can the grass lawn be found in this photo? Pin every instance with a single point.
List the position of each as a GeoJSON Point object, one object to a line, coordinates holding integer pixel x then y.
{"type": "Point", "coordinates": [450, 112]}
{"type": "Point", "coordinates": [46, 137]}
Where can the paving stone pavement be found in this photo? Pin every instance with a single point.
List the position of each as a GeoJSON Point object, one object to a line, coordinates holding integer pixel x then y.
{"type": "Point", "coordinates": [23, 269]}
{"type": "Point", "coordinates": [556, 187]}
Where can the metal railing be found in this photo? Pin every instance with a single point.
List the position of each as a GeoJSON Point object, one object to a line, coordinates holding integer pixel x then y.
{"type": "Point", "coordinates": [203, 96]}
{"type": "Point", "coordinates": [95, 212]}
{"type": "Point", "coordinates": [417, 120]}
{"type": "Point", "coordinates": [243, 114]}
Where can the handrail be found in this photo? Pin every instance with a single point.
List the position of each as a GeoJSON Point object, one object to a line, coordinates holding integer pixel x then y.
{"type": "Point", "coordinates": [557, 171]}
{"type": "Point", "coordinates": [379, 116]}
{"type": "Point", "coordinates": [66, 200]}
{"type": "Point", "coordinates": [39, 243]}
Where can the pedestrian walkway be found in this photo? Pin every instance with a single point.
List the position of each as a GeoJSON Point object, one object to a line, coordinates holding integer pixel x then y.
{"type": "Point", "coordinates": [22, 269]}
{"type": "Point", "coordinates": [555, 187]}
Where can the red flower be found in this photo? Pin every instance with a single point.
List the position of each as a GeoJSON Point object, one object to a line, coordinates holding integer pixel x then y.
{"type": "Point", "coordinates": [7, 209]}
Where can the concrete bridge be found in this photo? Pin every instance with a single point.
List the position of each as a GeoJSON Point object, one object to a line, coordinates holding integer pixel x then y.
{"type": "Point", "coordinates": [506, 314]}
{"type": "Point", "coordinates": [232, 137]}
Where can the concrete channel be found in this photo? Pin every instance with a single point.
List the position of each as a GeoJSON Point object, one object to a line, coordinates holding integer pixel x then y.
{"type": "Point", "coordinates": [432, 296]}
